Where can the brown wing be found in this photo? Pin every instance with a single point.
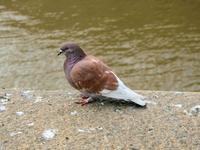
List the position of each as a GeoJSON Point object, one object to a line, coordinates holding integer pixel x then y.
{"type": "Point", "coordinates": [92, 75]}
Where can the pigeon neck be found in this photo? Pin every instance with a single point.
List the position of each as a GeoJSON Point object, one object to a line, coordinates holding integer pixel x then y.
{"type": "Point", "coordinates": [73, 58]}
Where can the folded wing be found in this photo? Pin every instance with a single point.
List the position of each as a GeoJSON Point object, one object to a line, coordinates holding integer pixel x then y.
{"type": "Point", "coordinates": [92, 75]}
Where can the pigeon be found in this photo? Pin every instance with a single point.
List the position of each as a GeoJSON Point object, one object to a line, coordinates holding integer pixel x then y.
{"type": "Point", "coordinates": [93, 78]}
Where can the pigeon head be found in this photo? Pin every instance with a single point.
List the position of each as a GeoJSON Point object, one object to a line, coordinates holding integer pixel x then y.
{"type": "Point", "coordinates": [71, 49]}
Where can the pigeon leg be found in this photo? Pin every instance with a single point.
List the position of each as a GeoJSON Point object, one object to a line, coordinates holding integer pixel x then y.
{"type": "Point", "coordinates": [84, 100]}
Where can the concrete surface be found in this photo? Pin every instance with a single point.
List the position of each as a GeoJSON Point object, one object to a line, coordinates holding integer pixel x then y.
{"type": "Point", "coordinates": [51, 120]}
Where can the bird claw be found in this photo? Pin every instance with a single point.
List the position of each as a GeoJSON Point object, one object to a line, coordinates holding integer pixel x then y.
{"type": "Point", "coordinates": [84, 101]}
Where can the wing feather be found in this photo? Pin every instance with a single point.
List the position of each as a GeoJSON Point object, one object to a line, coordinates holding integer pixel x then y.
{"type": "Point", "coordinates": [92, 75]}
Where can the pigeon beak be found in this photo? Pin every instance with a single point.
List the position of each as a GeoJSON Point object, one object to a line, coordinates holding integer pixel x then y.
{"type": "Point", "coordinates": [60, 52]}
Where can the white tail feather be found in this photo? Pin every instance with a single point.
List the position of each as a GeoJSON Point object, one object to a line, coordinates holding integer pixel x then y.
{"type": "Point", "coordinates": [123, 92]}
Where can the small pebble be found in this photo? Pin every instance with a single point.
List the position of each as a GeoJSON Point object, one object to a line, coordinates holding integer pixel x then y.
{"type": "Point", "coordinates": [30, 124]}
{"type": "Point", "coordinates": [178, 93]}
{"type": "Point", "coordinates": [86, 130]}
{"type": "Point", "coordinates": [99, 128]}
{"type": "Point", "coordinates": [27, 94]}
{"type": "Point", "coordinates": [150, 129]}
{"type": "Point", "coordinates": [90, 130]}
{"type": "Point", "coordinates": [73, 113]}
{"type": "Point", "coordinates": [69, 93]}
{"type": "Point", "coordinates": [178, 105]}
{"type": "Point", "coordinates": [4, 100]}
{"type": "Point", "coordinates": [38, 99]}
{"type": "Point", "coordinates": [195, 110]}
{"type": "Point", "coordinates": [81, 130]}
{"type": "Point", "coordinates": [119, 111]}
{"type": "Point", "coordinates": [15, 133]}
{"type": "Point", "coordinates": [49, 134]}
{"type": "Point", "coordinates": [102, 103]}
{"type": "Point", "coordinates": [8, 94]}
{"type": "Point", "coordinates": [2, 108]}
{"type": "Point", "coordinates": [19, 113]}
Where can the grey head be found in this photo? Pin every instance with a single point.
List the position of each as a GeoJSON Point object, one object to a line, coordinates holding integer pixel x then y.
{"type": "Point", "coordinates": [69, 49]}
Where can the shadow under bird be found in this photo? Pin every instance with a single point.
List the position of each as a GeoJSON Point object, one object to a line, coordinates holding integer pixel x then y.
{"type": "Point", "coordinates": [93, 78]}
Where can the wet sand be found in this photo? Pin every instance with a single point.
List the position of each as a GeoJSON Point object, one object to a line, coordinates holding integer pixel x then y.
{"type": "Point", "coordinates": [51, 120]}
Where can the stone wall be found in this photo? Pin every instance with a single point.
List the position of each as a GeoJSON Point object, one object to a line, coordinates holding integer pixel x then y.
{"type": "Point", "coordinates": [51, 120]}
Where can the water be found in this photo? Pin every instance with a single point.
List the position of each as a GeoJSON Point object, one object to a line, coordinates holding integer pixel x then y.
{"type": "Point", "coordinates": [151, 45]}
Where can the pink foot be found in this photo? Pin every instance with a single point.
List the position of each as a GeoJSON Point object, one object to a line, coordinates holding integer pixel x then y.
{"type": "Point", "coordinates": [84, 100]}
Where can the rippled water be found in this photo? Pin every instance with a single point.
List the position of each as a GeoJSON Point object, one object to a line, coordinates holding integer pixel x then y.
{"type": "Point", "coordinates": [151, 45]}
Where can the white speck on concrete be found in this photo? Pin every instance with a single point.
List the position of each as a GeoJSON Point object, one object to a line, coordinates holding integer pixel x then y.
{"type": "Point", "coordinates": [69, 93]}
{"type": "Point", "coordinates": [89, 130]}
{"type": "Point", "coordinates": [2, 108]}
{"type": "Point", "coordinates": [15, 133]}
{"type": "Point", "coordinates": [92, 129]}
{"type": "Point", "coordinates": [19, 113]}
{"type": "Point", "coordinates": [30, 124]}
{"type": "Point", "coordinates": [8, 94]}
{"type": "Point", "coordinates": [27, 94]}
{"type": "Point", "coordinates": [4, 100]}
{"type": "Point", "coordinates": [38, 99]}
{"type": "Point", "coordinates": [178, 105]}
{"type": "Point", "coordinates": [195, 110]}
{"type": "Point", "coordinates": [178, 93]}
{"type": "Point", "coordinates": [100, 128]}
{"type": "Point", "coordinates": [150, 102]}
{"type": "Point", "coordinates": [49, 134]}
{"type": "Point", "coordinates": [73, 113]}
{"type": "Point", "coordinates": [102, 103]}
{"type": "Point", "coordinates": [83, 130]}
{"type": "Point", "coordinates": [119, 111]}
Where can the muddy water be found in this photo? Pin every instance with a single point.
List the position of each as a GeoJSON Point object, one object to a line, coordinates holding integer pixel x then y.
{"type": "Point", "coordinates": [151, 45]}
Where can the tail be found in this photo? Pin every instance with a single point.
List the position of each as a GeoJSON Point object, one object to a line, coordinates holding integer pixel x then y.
{"type": "Point", "coordinates": [134, 97]}
{"type": "Point", "coordinates": [123, 92]}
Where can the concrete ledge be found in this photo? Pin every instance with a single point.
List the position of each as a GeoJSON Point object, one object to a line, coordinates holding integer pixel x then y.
{"type": "Point", "coordinates": [51, 120]}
